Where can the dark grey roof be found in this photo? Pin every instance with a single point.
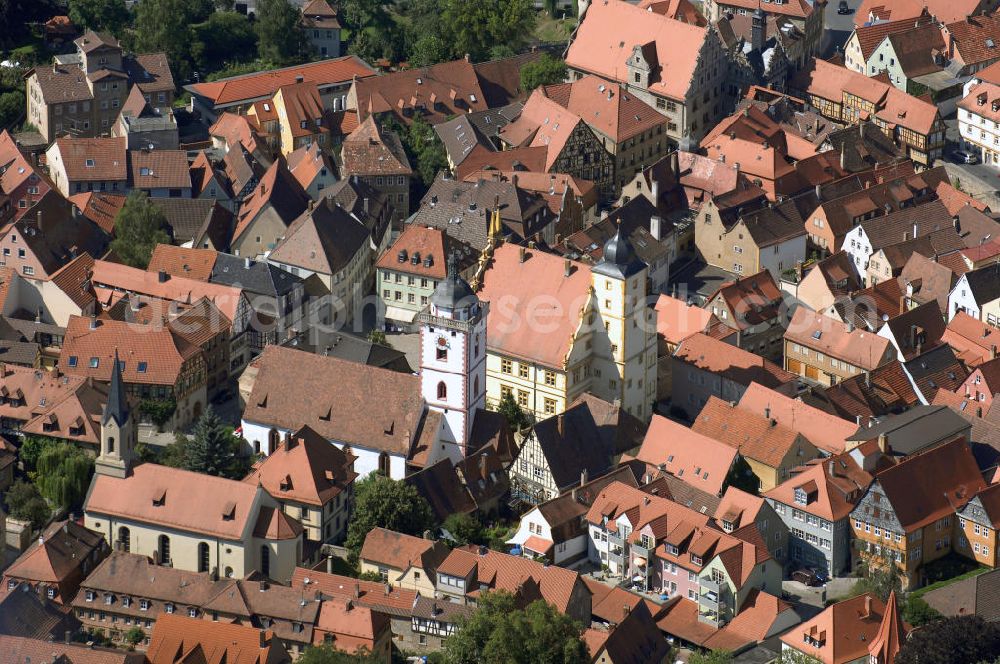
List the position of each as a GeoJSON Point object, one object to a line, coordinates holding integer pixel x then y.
{"type": "Point", "coordinates": [117, 406]}
{"type": "Point", "coordinates": [368, 205]}
{"type": "Point", "coordinates": [697, 281]}
{"type": "Point", "coordinates": [915, 429]}
{"type": "Point", "coordinates": [57, 233]}
{"type": "Point", "coordinates": [188, 218]}
{"type": "Point", "coordinates": [323, 239]}
{"type": "Point", "coordinates": [453, 291]}
{"type": "Point", "coordinates": [22, 353]}
{"type": "Point", "coordinates": [572, 444]}
{"type": "Point", "coordinates": [975, 226]}
{"type": "Point", "coordinates": [863, 146]}
{"type": "Point", "coordinates": [772, 225]}
{"type": "Point", "coordinates": [441, 487]}
{"type": "Point", "coordinates": [346, 346]}
{"type": "Point", "coordinates": [985, 283]}
{"type": "Point", "coordinates": [492, 120]}
{"type": "Point", "coordinates": [258, 277]}
{"type": "Point", "coordinates": [459, 137]}
{"type": "Point", "coordinates": [441, 609]}
{"type": "Point", "coordinates": [619, 259]}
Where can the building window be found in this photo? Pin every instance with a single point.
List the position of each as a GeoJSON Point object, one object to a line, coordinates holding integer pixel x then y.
{"type": "Point", "coordinates": [550, 406]}
{"type": "Point", "coordinates": [124, 539]}
{"type": "Point", "coordinates": [265, 561]}
{"type": "Point", "coordinates": [550, 378]}
{"type": "Point", "coordinates": [442, 391]}
{"type": "Point", "coordinates": [506, 366]}
{"type": "Point", "coordinates": [442, 354]}
{"type": "Point", "coordinates": [203, 557]}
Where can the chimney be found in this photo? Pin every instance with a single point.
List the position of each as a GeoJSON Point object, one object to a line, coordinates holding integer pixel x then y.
{"type": "Point", "coordinates": [654, 190]}
{"type": "Point", "coordinates": [625, 609]}
{"type": "Point", "coordinates": [819, 192]}
{"type": "Point", "coordinates": [916, 229]}
{"type": "Point", "coordinates": [162, 276]}
{"type": "Point", "coordinates": [883, 443]}
{"type": "Point", "coordinates": [357, 590]}
{"type": "Point", "coordinates": [868, 606]}
{"type": "Point", "coordinates": [560, 426]}
{"type": "Point", "coordinates": [265, 638]}
{"type": "Point", "coordinates": [832, 468]}
{"type": "Point", "coordinates": [310, 205]}
{"type": "Point", "coordinates": [913, 336]}
{"type": "Point", "coordinates": [523, 254]}
{"type": "Point", "coordinates": [388, 589]}
{"type": "Point", "coordinates": [366, 205]}
{"type": "Point", "coordinates": [993, 352]}
{"type": "Point", "coordinates": [767, 412]}
{"type": "Point", "coordinates": [675, 164]}
{"type": "Point", "coordinates": [38, 221]}
{"type": "Point", "coordinates": [655, 227]}
{"type": "Point", "coordinates": [583, 477]}
{"type": "Point", "coordinates": [567, 266]}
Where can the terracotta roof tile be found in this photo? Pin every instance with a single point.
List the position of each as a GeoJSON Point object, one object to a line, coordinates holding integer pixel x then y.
{"type": "Point", "coordinates": [716, 356]}
{"type": "Point", "coordinates": [378, 596]}
{"type": "Point", "coordinates": [824, 430]}
{"type": "Point", "coordinates": [191, 263]}
{"type": "Point", "coordinates": [689, 455]}
{"type": "Point", "coordinates": [756, 437]}
{"type": "Point", "coordinates": [610, 31]}
{"type": "Point", "coordinates": [401, 551]}
{"type": "Point", "coordinates": [100, 208]}
{"type": "Point", "coordinates": [441, 91]}
{"type": "Point", "coordinates": [370, 150]}
{"type": "Point", "coordinates": [249, 87]}
{"type": "Point", "coordinates": [20, 649]}
{"type": "Point", "coordinates": [178, 640]}
{"type": "Point", "coordinates": [153, 169]}
{"type": "Point", "coordinates": [92, 159]}
{"type": "Point", "coordinates": [606, 107]}
{"type": "Point", "coordinates": [856, 346]}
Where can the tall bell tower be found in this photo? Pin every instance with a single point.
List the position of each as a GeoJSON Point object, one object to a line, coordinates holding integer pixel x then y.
{"type": "Point", "coordinates": [118, 431]}
{"type": "Point", "coordinates": [453, 360]}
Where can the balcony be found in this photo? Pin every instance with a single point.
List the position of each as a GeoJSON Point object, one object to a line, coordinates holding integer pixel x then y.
{"type": "Point", "coordinates": [710, 585]}
{"type": "Point", "coordinates": [615, 540]}
{"type": "Point", "coordinates": [709, 600]}
{"type": "Point", "coordinates": [639, 550]}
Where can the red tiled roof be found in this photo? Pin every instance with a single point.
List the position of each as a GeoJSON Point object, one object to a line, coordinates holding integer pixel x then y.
{"type": "Point", "coordinates": [182, 640]}
{"type": "Point", "coordinates": [824, 430]}
{"type": "Point", "coordinates": [248, 87]}
{"type": "Point", "coordinates": [695, 458]}
{"type": "Point", "coordinates": [107, 155]}
{"type": "Point", "coordinates": [607, 107]}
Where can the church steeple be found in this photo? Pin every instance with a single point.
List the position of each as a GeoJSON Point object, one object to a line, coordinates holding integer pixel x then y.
{"type": "Point", "coordinates": [117, 406]}
{"type": "Point", "coordinates": [118, 432]}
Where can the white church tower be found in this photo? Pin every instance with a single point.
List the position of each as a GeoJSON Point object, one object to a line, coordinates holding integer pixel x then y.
{"type": "Point", "coordinates": [453, 360]}
{"type": "Point", "coordinates": [118, 432]}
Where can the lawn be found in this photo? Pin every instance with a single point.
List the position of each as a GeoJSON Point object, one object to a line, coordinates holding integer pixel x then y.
{"type": "Point", "coordinates": [940, 584]}
{"type": "Point", "coordinates": [551, 30]}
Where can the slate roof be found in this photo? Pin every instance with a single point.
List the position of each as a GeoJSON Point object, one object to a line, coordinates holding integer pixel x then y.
{"type": "Point", "coordinates": [572, 444]}
{"type": "Point", "coordinates": [323, 239]}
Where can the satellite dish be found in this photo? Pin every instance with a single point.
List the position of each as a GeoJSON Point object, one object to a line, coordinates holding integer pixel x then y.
{"type": "Point", "coordinates": [885, 318]}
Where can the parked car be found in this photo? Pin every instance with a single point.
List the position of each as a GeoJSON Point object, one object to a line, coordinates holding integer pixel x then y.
{"type": "Point", "coordinates": [844, 8]}
{"type": "Point", "coordinates": [805, 576]}
{"type": "Point", "coordinates": [966, 157]}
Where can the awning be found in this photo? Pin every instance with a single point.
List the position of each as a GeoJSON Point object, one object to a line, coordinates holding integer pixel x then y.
{"type": "Point", "coordinates": [400, 314]}
{"type": "Point", "coordinates": [639, 562]}
{"type": "Point", "coordinates": [538, 545]}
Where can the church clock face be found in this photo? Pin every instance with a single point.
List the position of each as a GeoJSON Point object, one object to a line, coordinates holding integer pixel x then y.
{"type": "Point", "coordinates": [442, 342]}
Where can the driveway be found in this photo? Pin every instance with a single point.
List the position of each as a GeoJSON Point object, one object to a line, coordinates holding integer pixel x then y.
{"type": "Point", "coordinates": [811, 600]}
{"type": "Point", "coordinates": [838, 26]}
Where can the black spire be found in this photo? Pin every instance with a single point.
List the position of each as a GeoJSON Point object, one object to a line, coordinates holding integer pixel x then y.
{"type": "Point", "coordinates": [117, 407]}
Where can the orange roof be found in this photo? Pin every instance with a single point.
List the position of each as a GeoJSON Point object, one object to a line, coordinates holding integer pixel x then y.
{"type": "Point", "coordinates": [607, 107]}
{"type": "Point", "coordinates": [840, 634]}
{"type": "Point", "coordinates": [892, 105]}
{"type": "Point", "coordinates": [306, 162]}
{"type": "Point", "coordinates": [235, 130]}
{"type": "Point", "coordinates": [954, 200]}
{"type": "Point", "coordinates": [676, 320]}
{"type": "Point", "coordinates": [833, 487]}
{"type": "Point", "coordinates": [300, 108]}
{"type": "Point", "coordinates": [421, 243]}
{"type": "Point", "coordinates": [250, 87]}
{"type": "Point", "coordinates": [972, 340]}
{"type": "Point", "coordinates": [534, 294]}
{"type": "Point", "coordinates": [182, 290]}
{"type": "Point", "coordinates": [369, 150]}
{"type": "Point", "coordinates": [754, 436]}
{"type": "Point", "coordinates": [106, 158]}
{"type": "Point", "coordinates": [542, 123]}
{"type": "Point", "coordinates": [182, 640]}
{"type": "Point", "coordinates": [100, 208]}
{"type": "Point", "coordinates": [305, 469]}
{"type": "Point", "coordinates": [151, 355]}
{"type": "Point", "coordinates": [401, 551]}
{"type": "Point", "coordinates": [680, 10]}
{"type": "Point", "coordinates": [738, 507]}
{"type": "Point", "coordinates": [277, 188]}
{"type": "Point", "coordinates": [354, 627]}
{"type": "Point", "coordinates": [891, 633]}
{"type": "Point", "coordinates": [824, 430]}
{"type": "Point", "coordinates": [610, 31]}
{"type": "Point", "coordinates": [710, 354]}
{"type": "Point", "coordinates": [192, 263]}
{"type": "Point", "coordinates": [177, 499]}
{"type": "Point", "coordinates": [698, 460]}
{"type": "Point", "coordinates": [861, 348]}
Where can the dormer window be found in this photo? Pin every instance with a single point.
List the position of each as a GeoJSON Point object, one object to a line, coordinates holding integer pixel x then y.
{"type": "Point", "coordinates": [727, 526]}
{"type": "Point", "coordinates": [801, 497]}
{"type": "Point", "coordinates": [673, 550]}
{"type": "Point", "coordinates": [695, 560]}
{"type": "Point", "coordinates": [143, 170]}
{"type": "Point", "coordinates": [168, 607]}
{"type": "Point", "coordinates": [89, 595]}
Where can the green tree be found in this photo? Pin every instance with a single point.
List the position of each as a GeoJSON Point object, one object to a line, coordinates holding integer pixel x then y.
{"type": "Point", "coordinates": [11, 108]}
{"type": "Point", "coordinates": [139, 227]}
{"type": "Point", "coordinates": [377, 336]}
{"type": "Point", "coordinates": [473, 27]}
{"type": "Point", "coordinates": [175, 454]}
{"type": "Point", "coordinates": [63, 476]}
{"type": "Point", "coordinates": [427, 150]}
{"type": "Point", "coordinates": [386, 503]}
{"type": "Point", "coordinates": [428, 50]}
{"type": "Point", "coordinates": [465, 528]}
{"type": "Point", "coordinates": [24, 502]}
{"type": "Point", "coordinates": [134, 636]}
{"type": "Point", "coordinates": [878, 576]}
{"type": "Point", "coordinates": [509, 408]}
{"type": "Point", "coordinates": [796, 657]}
{"type": "Point", "coordinates": [546, 70]}
{"type": "Point", "coordinates": [711, 657]}
{"type": "Point", "coordinates": [917, 612]}
{"type": "Point", "coordinates": [360, 14]}
{"type": "Point", "coordinates": [226, 37]}
{"type": "Point", "coordinates": [212, 449]}
{"type": "Point", "coordinates": [109, 15]}
{"type": "Point", "coordinates": [956, 640]}
{"type": "Point", "coordinates": [498, 632]}
{"type": "Point", "coordinates": [165, 25]}
{"type": "Point", "coordinates": [32, 448]}
{"type": "Point", "coordinates": [328, 655]}
{"type": "Point", "coordinates": [280, 37]}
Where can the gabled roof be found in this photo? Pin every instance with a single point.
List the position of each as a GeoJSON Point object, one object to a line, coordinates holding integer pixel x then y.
{"type": "Point", "coordinates": [610, 31]}
{"type": "Point", "coordinates": [93, 159]}
{"type": "Point", "coordinates": [189, 262]}
{"type": "Point", "coordinates": [522, 284]}
{"type": "Point", "coordinates": [56, 235]}
{"type": "Point", "coordinates": [159, 169]}
{"type": "Point", "coordinates": [861, 348]}
{"type": "Point", "coordinates": [731, 362]}
{"type": "Point", "coordinates": [824, 430]}
{"type": "Point", "coordinates": [751, 299]}
{"type": "Point", "coordinates": [323, 239]}
{"type": "Point", "coordinates": [101, 208]}
{"type": "Point", "coordinates": [371, 150]}
{"type": "Point", "coordinates": [840, 634]}
{"type": "Point", "coordinates": [182, 640]}
{"type": "Point", "coordinates": [572, 444]}
{"type": "Point", "coordinates": [249, 87]}
{"type": "Point", "coordinates": [277, 189]}
{"type": "Point", "coordinates": [871, 35]}
{"type": "Point", "coordinates": [305, 468]}
{"type": "Point", "coordinates": [606, 107]}
{"type": "Point", "coordinates": [390, 600]}
{"type": "Point", "coordinates": [833, 486]}
{"type": "Point", "coordinates": [439, 91]}
{"type": "Point", "coordinates": [21, 649]}
{"type": "Point", "coordinates": [699, 460]}
{"type": "Point", "coordinates": [543, 122]}
{"type": "Point", "coordinates": [400, 551]}
{"type": "Point", "coordinates": [57, 556]}
{"type": "Point", "coordinates": [292, 389]}
{"type": "Point", "coordinates": [676, 320]}
{"type": "Point", "coordinates": [973, 340]}
{"type": "Point", "coordinates": [754, 436]}
{"type": "Point", "coordinates": [928, 486]}
{"type": "Point", "coordinates": [984, 283]}
{"type": "Point", "coordinates": [872, 394]}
